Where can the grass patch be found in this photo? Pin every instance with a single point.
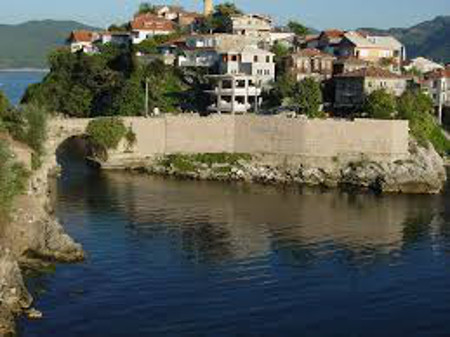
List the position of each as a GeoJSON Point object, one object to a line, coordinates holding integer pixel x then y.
{"type": "Point", "coordinates": [192, 162]}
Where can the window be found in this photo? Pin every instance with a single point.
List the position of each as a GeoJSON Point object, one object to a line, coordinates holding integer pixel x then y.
{"type": "Point", "coordinates": [234, 58]}
{"type": "Point", "coordinates": [255, 58]}
{"type": "Point", "coordinates": [267, 59]}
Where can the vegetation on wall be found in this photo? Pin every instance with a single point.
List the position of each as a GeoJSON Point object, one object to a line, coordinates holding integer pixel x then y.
{"type": "Point", "coordinates": [106, 132]}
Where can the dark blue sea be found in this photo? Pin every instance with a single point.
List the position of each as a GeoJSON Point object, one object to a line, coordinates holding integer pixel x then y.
{"type": "Point", "coordinates": [15, 83]}
{"type": "Point", "coordinates": [170, 258]}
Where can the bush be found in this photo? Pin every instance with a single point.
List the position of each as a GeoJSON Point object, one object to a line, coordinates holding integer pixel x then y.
{"type": "Point", "coordinates": [4, 104]}
{"type": "Point", "coordinates": [417, 108]}
{"type": "Point", "coordinates": [28, 124]}
{"type": "Point", "coordinates": [308, 95]}
{"type": "Point", "coordinates": [380, 104]}
{"type": "Point", "coordinates": [106, 133]}
{"type": "Point", "coordinates": [13, 179]}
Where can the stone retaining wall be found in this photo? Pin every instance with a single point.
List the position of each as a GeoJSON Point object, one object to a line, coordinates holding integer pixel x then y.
{"type": "Point", "coordinates": [329, 138]}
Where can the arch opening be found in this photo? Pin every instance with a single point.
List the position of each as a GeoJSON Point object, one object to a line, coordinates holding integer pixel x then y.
{"type": "Point", "coordinates": [76, 154]}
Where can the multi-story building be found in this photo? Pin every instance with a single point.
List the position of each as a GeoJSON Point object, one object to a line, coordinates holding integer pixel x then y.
{"type": "Point", "coordinates": [243, 74]}
{"type": "Point", "coordinates": [309, 63]}
{"type": "Point", "coordinates": [148, 25]}
{"type": "Point", "coordinates": [248, 60]}
{"type": "Point", "coordinates": [352, 88]}
{"type": "Point", "coordinates": [380, 50]}
{"type": "Point", "coordinates": [437, 85]}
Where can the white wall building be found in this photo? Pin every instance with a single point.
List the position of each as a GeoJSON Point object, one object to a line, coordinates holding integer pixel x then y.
{"type": "Point", "coordinates": [250, 24]}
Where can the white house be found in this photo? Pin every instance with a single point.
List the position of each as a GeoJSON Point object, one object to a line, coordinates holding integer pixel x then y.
{"type": "Point", "coordinates": [250, 24]}
{"type": "Point", "coordinates": [117, 38]}
{"type": "Point", "coordinates": [437, 85]}
{"type": "Point", "coordinates": [84, 41]}
{"type": "Point", "coordinates": [243, 74]}
{"type": "Point", "coordinates": [423, 65]}
{"type": "Point", "coordinates": [248, 60]}
{"type": "Point", "coordinates": [146, 26]}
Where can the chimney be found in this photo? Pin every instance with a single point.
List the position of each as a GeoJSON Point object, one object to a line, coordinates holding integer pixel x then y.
{"type": "Point", "coordinates": [208, 7]}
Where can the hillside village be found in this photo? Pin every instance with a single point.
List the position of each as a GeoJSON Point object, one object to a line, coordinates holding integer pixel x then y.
{"type": "Point", "coordinates": [247, 54]}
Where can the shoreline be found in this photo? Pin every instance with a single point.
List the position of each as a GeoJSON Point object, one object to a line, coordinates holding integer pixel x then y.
{"type": "Point", "coordinates": [24, 70]}
{"type": "Point", "coordinates": [33, 239]}
{"type": "Point", "coordinates": [422, 173]}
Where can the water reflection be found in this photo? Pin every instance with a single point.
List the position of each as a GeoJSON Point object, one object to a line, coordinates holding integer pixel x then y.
{"type": "Point", "coordinates": [181, 258]}
{"type": "Point", "coordinates": [216, 223]}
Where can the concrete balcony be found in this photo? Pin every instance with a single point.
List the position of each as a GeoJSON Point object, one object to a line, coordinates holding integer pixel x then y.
{"type": "Point", "coordinates": [250, 91]}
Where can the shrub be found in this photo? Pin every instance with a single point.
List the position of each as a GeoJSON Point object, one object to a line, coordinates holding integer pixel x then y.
{"type": "Point", "coordinates": [28, 124]}
{"type": "Point", "coordinates": [380, 104]}
{"type": "Point", "coordinates": [417, 108]}
{"type": "Point", "coordinates": [308, 95]}
{"type": "Point", "coordinates": [106, 132]}
{"type": "Point", "coordinates": [4, 103]}
{"type": "Point", "coordinates": [13, 178]}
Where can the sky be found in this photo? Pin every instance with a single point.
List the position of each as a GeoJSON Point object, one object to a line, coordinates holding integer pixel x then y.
{"type": "Point", "coordinates": [319, 14]}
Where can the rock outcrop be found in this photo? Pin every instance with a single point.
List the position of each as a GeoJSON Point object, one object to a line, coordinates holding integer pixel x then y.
{"type": "Point", "coordinates": [423, 172]}
{"type": "Point", "coordinates": [31, 237]}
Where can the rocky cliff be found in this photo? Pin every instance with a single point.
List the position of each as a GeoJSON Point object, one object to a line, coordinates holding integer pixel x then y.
{"type": "Point", "coordinates": [423, 172]}
{"type": "Point", "coordinates": [30, 238]}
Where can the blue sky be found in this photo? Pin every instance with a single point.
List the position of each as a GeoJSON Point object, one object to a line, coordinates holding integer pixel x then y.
{"type": "Point", "coordinates": [344, 14]}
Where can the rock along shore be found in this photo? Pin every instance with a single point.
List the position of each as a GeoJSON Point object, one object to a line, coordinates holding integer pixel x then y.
{"type": "Point", "coordinates": [31, 239]}
{"type": "Point", "coordinates": [423, 172]}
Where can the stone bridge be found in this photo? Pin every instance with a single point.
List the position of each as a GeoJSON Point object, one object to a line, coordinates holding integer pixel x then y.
{"type": "Point", "coordinates": [59, 130]}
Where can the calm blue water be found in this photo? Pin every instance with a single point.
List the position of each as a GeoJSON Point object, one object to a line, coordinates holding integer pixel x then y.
{"type": "Point", "coordinates": [182, 258]}
{"type": "Point", "coordinates": [14, 84]}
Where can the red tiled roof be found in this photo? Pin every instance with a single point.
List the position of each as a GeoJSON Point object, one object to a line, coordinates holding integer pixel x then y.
{"type": "Point", "coordinates": [151, 22]}
{"type": "Point", "coordinates": [373, 72]}
{"type": "Point", "coordinates": [82, 36]}
{"type": "Point", "coordinates": [333, 33]}
{"type": "Point", "coordinates": [438, 73]}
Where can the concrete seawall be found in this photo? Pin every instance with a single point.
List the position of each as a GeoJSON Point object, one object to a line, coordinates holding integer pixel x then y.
{"type": "Point", "coordinates": [377, 140]}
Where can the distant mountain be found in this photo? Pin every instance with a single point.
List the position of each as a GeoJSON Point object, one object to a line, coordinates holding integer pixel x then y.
{"type": "Point", "coordinates": [429, 39]}
{"type": "Point", "coordinates": [27, 45]}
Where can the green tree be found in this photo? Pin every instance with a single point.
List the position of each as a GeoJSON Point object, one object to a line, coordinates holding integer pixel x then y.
{"type": "Point", "coordinates": [297, 28]}
{"type": "Point", "coordinates": [307, 94]}
{"type": "Point", "coordinates": [380, 104]}
{"type": "Point", "coordinates": [281, 51]}
{"type": "Point", "coordinates": [281, 93]}
{"type": "Point", "coordinates": [4, 104]}
{"type": "Point", "coordinates": [125, 27]}
{"type": "Point", "coordinates": [219, 22]}
{"type": "Point", "coordinates": [146, 7]}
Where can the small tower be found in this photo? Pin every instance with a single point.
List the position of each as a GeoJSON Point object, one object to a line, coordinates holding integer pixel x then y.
{"type": "Point", "coordinates": [208, 7]}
